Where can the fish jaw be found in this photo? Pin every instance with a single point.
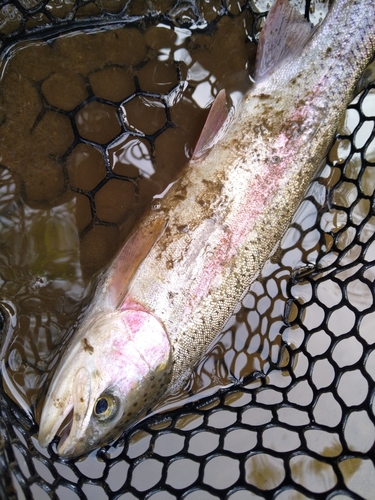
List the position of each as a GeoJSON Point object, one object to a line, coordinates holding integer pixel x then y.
{"type": "Point", "coordinates": [76, 409]}
{"type": "Point", "coordinates": [120, 359]}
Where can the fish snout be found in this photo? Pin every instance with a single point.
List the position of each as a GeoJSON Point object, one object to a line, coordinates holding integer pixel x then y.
{"type": "Point", "coordinates": [67, 402]}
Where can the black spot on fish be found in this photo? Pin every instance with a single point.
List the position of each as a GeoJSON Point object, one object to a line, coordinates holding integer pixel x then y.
{"type": "Point", "coordinates": [275, 159]}
{"type": "Point", "coordinates": [87, 346]}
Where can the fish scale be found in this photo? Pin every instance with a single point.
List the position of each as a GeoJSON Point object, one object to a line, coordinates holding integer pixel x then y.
{"type": "Point", "coordinates": [186, 265]}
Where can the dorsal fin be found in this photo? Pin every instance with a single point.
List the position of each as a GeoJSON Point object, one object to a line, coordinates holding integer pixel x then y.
{"type": "Point", "coordinates": [284, 34]}
{"type": "Point", "coordinates": [127, 261]}
{"type": "Point", "coordinates": [215, 121]}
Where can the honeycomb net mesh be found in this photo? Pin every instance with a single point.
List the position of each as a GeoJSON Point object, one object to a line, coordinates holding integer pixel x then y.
{"type": "Point", "coordinates": [282, 405]}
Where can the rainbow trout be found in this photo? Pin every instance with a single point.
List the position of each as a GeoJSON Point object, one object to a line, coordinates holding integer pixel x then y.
{"type": "Point", "coordinates": [178, 277]}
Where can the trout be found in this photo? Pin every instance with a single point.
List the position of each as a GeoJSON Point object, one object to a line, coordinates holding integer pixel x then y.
{"type": "Point", "coordinates": [184, 268]}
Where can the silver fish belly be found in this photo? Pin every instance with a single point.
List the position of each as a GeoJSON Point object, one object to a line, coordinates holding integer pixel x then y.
{"type": "Point", "coordinates": [183, 270]}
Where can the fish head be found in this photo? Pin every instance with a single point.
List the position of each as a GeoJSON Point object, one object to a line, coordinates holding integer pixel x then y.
{"type": "Point", "coordinates": [117, 365]}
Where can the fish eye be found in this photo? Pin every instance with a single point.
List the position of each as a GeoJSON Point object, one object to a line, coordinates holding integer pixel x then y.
{"type": "Point", "coordinates": [105, 407]}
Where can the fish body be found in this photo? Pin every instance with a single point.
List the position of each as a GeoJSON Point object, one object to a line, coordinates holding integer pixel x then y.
{"type": "Point", "coordinates": [181, 273]}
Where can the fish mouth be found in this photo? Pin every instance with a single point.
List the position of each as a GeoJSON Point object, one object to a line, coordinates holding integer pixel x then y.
{"type": "Point", "coordinates": [65, 429]}
{"type": "Point", "coordinates": [71, 422]}
{"type": "Point", "coordinates": [51, 422]}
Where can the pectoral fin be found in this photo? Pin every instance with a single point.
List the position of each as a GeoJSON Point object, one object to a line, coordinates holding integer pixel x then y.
{"type": "Point", "coordinates": [215, 123]}
{"type": "Point", "coordinates": [125, 265]}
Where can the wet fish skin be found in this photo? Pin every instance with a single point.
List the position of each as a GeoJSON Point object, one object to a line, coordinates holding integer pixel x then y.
{"type": "Point", "coordinates": [184, 269]}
